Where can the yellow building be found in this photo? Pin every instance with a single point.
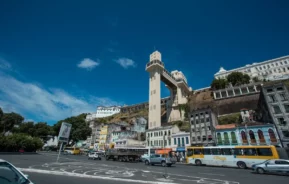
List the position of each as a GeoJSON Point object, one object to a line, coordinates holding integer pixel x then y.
{"type": "Point", "coordinates": [103, 137]}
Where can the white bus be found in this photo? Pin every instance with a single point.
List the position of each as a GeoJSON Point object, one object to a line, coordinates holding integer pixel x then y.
{"type": "Point", "coordinates": [230, 156]}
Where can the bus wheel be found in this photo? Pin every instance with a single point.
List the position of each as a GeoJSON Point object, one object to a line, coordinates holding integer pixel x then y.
{"type": "Point", "coordinates": [198, 162]}
{"type": "Point", "coordinates": [260, 170]}
{"type": "Point", "coordinates": [241, 165]}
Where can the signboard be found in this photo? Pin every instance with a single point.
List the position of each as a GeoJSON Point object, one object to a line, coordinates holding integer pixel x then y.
{"type": "Point", "coordinates": [64, 132]}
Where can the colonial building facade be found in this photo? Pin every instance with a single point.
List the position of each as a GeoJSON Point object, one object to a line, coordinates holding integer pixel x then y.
{"type": "Point", "coordinates": [102, 111]}
{"type": "Point", "coordinates": [273, 69]}
{"type": "Point", "coordinates": [263, 134]}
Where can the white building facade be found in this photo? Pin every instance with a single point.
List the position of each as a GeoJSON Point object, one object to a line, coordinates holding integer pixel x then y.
{"type": "Point", "coordinates": [102, 112]}
{"type": "Point", "coordinates": [274, 69]}
{"type": "Point", "coordinates": [180, 141]}
{"type": "Point", "coordinates": [160, 137]}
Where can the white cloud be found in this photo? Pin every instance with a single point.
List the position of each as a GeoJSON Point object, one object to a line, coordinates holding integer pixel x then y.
{"type": "Point", "coordinates": [42, 104]}
{"type": "Point", "coordinates": [88, 64]}
{"type": "Point", "coordinates": [4, 64]}
{"type": "Point", "coordinates": [126, 62]}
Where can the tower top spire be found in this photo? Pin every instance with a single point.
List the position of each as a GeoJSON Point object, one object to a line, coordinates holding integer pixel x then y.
{"type": "Point", "coordinates": [156, 55]}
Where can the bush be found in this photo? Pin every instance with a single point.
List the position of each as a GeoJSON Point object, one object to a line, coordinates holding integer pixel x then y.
{"type": "Point", "coordinates": [13, 143]}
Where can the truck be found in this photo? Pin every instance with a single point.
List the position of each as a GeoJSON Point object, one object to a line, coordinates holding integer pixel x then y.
{"type": "Point", "coordinates": [125, 154]}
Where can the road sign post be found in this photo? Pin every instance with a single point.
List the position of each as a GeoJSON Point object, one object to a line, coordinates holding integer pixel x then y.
{"type": "Point", "coordinates": [63, 136]}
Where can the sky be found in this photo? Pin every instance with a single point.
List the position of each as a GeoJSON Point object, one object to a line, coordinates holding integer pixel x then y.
{"type": "Point", "coordinates": [63, 58]}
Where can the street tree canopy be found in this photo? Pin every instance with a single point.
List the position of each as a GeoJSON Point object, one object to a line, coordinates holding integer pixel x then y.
{"type": "Point", "coordinates": [80, 130]}
{"type": "Point", "coordinates": [238, 78]}
{"type": "Point", "coordinates": [219, 84]}
{"type": "Point", "coordinates": [9, 120]}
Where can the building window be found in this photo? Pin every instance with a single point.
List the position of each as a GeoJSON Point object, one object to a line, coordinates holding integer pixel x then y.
{"type": "Point", "coordinates": [183, 141]}
{"type": "Point", "coordinates": [276, 109]}
{"type": "Point", "coordinates": [244, 137]}
{"type": "Point", "coordinates": [219, 137]}
{"type": "Point", "coordinates": [270, 90]}
{"type": "Point", "coordinates": [272, 98]}
{"type": "Point", "coordinates": [282, 122]}
{"type": "Point", "coordinates": [252, 137]}
{"type": "Point", "coordinates": [272, 135]}
{"type": "Point", "coordinates": [179, 141]}
{"type": "Point", "coordinates": [226, 139]}
{"type": "Point", "coordinates": [187, 140]}
{"type": "Point", "coordinates": [234, 138]}
{"type": "Point", "coordinates": [285, 133]}
{"type": "Point", "coordinates": [280, 89]}
{"type": "Point", "coordinates": [154, 91]}
{"type": "Point", "coordinates": [261, 136]}
{"type": "Point", "coordinates": [175, 141]}
{"type": "Point", "coordinates": [154, 106]}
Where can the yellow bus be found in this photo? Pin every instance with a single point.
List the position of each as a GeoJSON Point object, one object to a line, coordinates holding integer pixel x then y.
{"type": "Point", "coordinates": [230, 156]}
{"type": "Point", "coordinates": [72, 150]}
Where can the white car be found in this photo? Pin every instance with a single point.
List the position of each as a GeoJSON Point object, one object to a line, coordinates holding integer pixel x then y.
{"type": "Point", "coordinates": [94, 156]}
{"type": "Point", "coordinates": [10, 174]}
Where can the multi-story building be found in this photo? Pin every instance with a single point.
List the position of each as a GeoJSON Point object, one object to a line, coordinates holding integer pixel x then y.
{"type": "Point", "coordinates": [274, 107]}
{"type": "Point", "coordinates": [273, 69]}
{"type": "Point", "coordinates": [103, 138]}
{"type": "Point", "coordinates": [180, 141]}
{"type": "Point", "coordinates": [160, 137]}
{"type": "Point", "coordinates": [203, 122]}
{"type": "Point", "coordinates": [102, 111]}
{"type": "Point", "coordinates": [251, 134]}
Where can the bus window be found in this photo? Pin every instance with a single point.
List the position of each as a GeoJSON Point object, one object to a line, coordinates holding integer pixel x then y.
{"type": "Point", "coordinates": [250, 151]}
{"type": "Point", "coordinates": [189, 152]}
{"type": "Point", "coordinates": [264, 152]}
{"type": "Point", "coordinates": [198, 151]}
{"type": "Point", "coordinates": [215, 151]}
{"type": "Point", "coordinates": [237, 151]}
{"type": "Point", "coordinates": [207, 151]}
{"type": "Point", "coordinates": [226, 151]}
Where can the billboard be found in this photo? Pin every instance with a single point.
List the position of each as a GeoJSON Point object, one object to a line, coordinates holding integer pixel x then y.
{"type": "Point", "coordinates": [64, 132]}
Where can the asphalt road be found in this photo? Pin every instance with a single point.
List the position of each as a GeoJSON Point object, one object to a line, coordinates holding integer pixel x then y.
{"type": "Point", "coordinates": [43, 169]}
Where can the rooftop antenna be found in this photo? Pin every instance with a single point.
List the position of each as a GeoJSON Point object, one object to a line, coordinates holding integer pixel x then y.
{"type": "Point", "coordinates": [155, 48]}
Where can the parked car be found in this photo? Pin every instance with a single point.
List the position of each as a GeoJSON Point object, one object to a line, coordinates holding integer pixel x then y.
{"type": "Point", "coordinates": [10, 174]}
{"type": "Point", "coordinates": [94, 156]}
{"type": "Point", "coordinates": [272, 166]}
{"type": "Point", "coordinates": [164, 160]}
{"type": "Point", "coordinates": [144, 157]}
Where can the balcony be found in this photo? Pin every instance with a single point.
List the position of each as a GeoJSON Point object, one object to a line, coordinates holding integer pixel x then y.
{"type": "Point", "coordinates": [154, 62]}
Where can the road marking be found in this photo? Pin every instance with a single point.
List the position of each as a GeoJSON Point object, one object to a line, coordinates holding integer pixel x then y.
{"type": "Point", "coordinates": [212, 174]}
{"type": "Point", "coordinates": [89, 176]}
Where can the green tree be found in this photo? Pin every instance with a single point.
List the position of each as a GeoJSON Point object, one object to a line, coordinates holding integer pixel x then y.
{"type": "Point", "coordinates": [1, 113]}
{"type": "Point", "coordinates": [256, 79]}
{"type": "Point", "coordinates": [43, 131]}
{"type": "Point", "coordinates": [238, 78]}
{"type": "Point", "coordinates": [12, 143]}
{"type": "Point", "coordinates": [9, 120]}
{"type": "Point", "coordinates": [219, 84]}
{"type": "Point", "coordinates": [80, 130]}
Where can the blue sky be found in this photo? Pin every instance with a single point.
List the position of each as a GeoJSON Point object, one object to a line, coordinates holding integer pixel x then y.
{"type": "Point", "coordinates": [61, 58]}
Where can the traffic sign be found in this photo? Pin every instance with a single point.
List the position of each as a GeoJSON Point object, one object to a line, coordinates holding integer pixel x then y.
{"type": "Point", "coordinates": [64, 132]}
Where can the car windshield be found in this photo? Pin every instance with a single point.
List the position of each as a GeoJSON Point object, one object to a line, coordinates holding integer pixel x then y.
{"type": "Point", "coordinates": [9, 175]}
